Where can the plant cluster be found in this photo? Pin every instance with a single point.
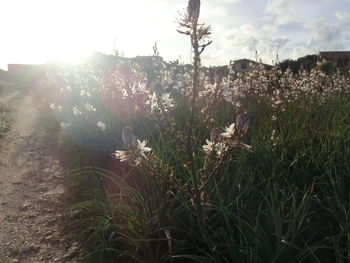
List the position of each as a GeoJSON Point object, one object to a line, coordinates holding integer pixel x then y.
{"type": "Point", "coordinates": [246, 168]}
{"type": "Point", "coordinates": [5, 120]}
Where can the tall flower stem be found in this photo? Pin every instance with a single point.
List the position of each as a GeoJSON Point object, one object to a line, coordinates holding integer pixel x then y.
{"type": "Point", "coordinates": [195, 87]}
{"type": "Point", "coordinates": [197, 32]}
{"type": "Point", "coordinates": [190, 141]}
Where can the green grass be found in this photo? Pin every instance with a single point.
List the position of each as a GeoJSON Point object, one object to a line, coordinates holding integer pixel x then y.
{"type": "Point", "coordinates": [283, 203]}
{"type": "Point", "coordinates": [5, 120]}
{"type": "Point", "coordinates": [288, 200]}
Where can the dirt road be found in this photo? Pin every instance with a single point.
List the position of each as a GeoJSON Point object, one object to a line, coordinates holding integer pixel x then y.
{"type": "Point", "coordinates": [32, 195]}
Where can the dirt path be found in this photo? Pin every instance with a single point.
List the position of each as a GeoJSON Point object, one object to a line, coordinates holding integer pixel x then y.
{"type": "Point", "coordinates": [32, 194]}
{"type": "Point", "coordinates": [9, 97]}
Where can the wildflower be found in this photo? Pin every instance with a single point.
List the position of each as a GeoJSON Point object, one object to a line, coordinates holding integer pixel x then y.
{"type": "Point", "coordinates": [207, 148]}
{"type": "Point", "coordinates": [220, 148]}
{"type": "Point", "coordinates": [125, 93]}
{"type": "Point", "coordinates": [124, 156]}
{"type": "Point", "coordinates": [52, 106]}
{"type": "Point", "coordinates": [89, 107]}
{"type": "Point", "coordinates": [229, 131]}
{"type": "Point", "coordinates": [65, 125]}
{"type": "Point", "coordinates": [128, 137]}
{"type": "Point", "coordinates": [211, 146]}
{"type": "Point", "coordinates": [274, 137]}
{"type": "Point", "coordinates": [141, 148]}
{"type": "Point", "coordinates": [167, 101]}
{"type": "Point", "coordinates": [85, 93]}
{"type": "Point", "coordinates": [209, 89]}
{"type": "Point", "coordinates": [153, 101]}
{"type": "Point", "coordinates": [76, 111]}
{"type": "Point", "coordinates": [135, 155]}
{"type": "Point", "coordinates": [101, 126]}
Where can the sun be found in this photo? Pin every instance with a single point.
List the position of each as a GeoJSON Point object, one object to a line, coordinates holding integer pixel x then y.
{"type": "Point", "coordinates": [64, 30]}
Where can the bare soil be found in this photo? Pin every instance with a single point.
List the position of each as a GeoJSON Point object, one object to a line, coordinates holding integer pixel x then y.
{"type": "Point", "coordinates": [33, 194]}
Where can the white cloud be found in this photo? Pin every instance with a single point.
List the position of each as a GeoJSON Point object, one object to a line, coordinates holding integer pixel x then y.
{"type": "Point", "coordinates": [283, 10]}
{"type": "Point", "coordinates": [342, 15]}
{"type": "Point", "coordinates": [278, 7]}
{"type": "Point", "coordinates": [242, 42]}
{"type": "Point", "coordinates": [324, 36]}
{"type": "Point", "coordinates": [270, 28]}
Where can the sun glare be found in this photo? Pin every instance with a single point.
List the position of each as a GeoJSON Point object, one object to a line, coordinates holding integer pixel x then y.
{"type": "Point", "coordinates": [69, 30]}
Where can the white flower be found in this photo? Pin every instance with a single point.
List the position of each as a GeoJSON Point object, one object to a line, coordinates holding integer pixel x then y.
{"type": "Point", "coordinates": [52, 106]}
{"type": "Point", "coordinates": [207, 148]}
{"type": "Point", "coordinates": [76, 111]}
{"type": "Point", "coordinates": [125, 93]}
{"type": "Point", "coordinates": [167, 101]}
{"type": "Point", "coordinates": [138, 88]}
{"type": "Point", "coordinates": [124, 156]}
{"type": "Point", "coordinates": [101, 126]}
{"type": "Point", "coordinates": [133, 156]}
{"type": "Point", "coordinates": [141, 147]}
{"type": "Point", "coordinates": [85, 93]}
{"type": "Point", "coordinates": [210, 146]}
{"type": "Point", "coordinates": [229, 131]}
{"type": "Point", "coordinates": [65, 125]}
{"type": "Point", "coordinates": [220, 148]}
{"type": "Point", "coordinates": [164, 103]}
{"type": "Point", "coordinates": [153, 101]}
{"type": "Point", "coordinates": [89, 107]}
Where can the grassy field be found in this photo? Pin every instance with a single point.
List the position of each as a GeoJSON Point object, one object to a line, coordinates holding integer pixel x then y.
{"type": "Point", "coordinates": [277, 191]}
{"type": "Point", "coordinates": [193, 166]}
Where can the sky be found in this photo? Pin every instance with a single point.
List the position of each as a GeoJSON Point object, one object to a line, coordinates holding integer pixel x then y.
{"type": "Point", "coordinates": [38, 31]}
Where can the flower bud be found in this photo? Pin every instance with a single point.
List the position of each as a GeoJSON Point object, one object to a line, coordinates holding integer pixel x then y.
{"type": "Point", "coordinates": [215, 135]}
{"type": "Point", "coordinates": [193, 9]}
{"type": "Point", "coordinates": [242, 123]}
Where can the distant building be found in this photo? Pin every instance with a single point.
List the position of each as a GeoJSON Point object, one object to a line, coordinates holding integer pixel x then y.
{"type": "Point", "coordinates": [243, 65]}
{"type": "Point", "coordinates": [340, 58]}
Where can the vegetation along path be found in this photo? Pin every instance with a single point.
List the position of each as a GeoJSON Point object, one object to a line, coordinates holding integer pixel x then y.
{"type": "Point", "coordinates": [32, 194]}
